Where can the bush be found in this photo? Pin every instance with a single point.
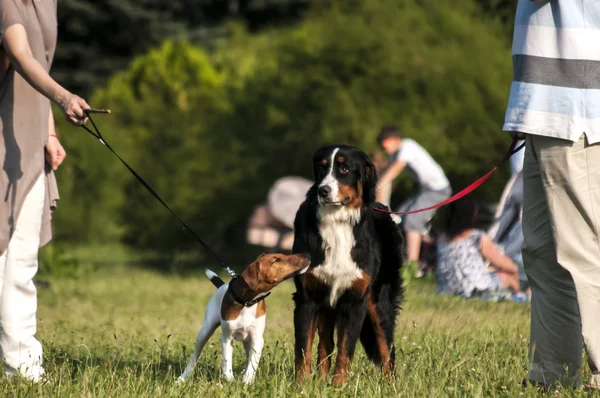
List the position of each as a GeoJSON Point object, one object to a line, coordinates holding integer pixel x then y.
{"type": "Point", "coordinates": [212, 132]}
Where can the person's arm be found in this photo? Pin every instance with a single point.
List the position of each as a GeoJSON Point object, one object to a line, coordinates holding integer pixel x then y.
{"type": "Point", "coordinates": [16, 46]}
{"type": "Point", "coordinates": [497, 260]}
{"type": "Point", "coordinates": [55, 153]}
{"type": "Point", "coordinates": [51, 125]}
{"type": "Point", "coordinates": [392, 172]}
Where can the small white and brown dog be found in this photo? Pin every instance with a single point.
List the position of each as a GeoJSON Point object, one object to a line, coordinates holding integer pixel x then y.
{"type": "Point", "coordinates": [239, 308]}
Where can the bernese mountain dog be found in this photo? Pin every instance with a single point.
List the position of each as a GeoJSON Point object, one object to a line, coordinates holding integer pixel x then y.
{"type": "Point", "coordinates": [354, 284]}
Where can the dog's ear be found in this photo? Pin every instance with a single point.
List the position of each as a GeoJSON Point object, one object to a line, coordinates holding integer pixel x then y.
{"type": "Point", "coordinates": [369, 182]}
{"type": "Point", "coordinates": [251, 274]}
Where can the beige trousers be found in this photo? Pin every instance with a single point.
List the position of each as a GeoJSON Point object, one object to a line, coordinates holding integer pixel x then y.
{"type": "Point", "coordinates": [561, 255]}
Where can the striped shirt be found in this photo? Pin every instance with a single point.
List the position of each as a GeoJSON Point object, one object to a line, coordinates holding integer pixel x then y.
{"type": "Point", "coordinates": [556, 70]}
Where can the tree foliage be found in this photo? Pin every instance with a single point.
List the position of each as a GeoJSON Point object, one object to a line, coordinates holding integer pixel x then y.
{"type": "Point", "coordinates": [212, 131]}
{"type": "Point", "coordinates": [99, 37]}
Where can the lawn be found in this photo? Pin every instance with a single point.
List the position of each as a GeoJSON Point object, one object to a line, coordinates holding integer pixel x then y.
{"type": "Point", "coordinates": [128, 331]}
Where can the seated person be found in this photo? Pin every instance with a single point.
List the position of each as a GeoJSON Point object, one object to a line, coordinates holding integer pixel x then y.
{"type": "Point", "coordinates": [272, 224]}
{"type": "Point", "coordinates": [506, 231]}
{"type": "Point", "coordinates": [516, 160]}
{"type": "Point", "coordinates": [463, 255]}
{"type": "Point", "coordinates": [434, 187]}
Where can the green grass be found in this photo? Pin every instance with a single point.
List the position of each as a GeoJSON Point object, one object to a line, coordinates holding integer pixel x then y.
{"type": "Point", "coordinates": [127, 332]}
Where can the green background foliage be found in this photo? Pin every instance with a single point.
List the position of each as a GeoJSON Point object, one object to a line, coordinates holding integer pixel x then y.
{"type": "Point", "coordinates": [212, 127]}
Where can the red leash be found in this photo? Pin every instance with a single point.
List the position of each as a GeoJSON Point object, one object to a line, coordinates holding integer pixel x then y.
{"type": "Point", "coordinates": [511, 151]}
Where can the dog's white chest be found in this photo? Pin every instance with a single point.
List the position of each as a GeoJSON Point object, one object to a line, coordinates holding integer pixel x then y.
{"type": "Point", "coordinates": [245, 325]}
{"type": "Point", "coordinates": [338, 270]}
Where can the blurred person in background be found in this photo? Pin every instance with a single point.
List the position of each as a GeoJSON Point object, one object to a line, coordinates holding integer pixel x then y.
{"type": "Point", "coordinates": [433, 187]}
{"type": "Point", "coordinates": [272, 224]}
{"type": "Point", "coordinates": [506, 230]}
{"type": "Point", "coordinates": [29, 152]}
{"type": "Point", "coordinates": [384, 191]}
{"type": "Point", "coordinates": [468, 262]}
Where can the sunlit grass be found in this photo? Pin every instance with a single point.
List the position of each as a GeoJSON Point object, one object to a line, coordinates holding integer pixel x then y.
{"type": "Point", "coordinates": [127, 332]}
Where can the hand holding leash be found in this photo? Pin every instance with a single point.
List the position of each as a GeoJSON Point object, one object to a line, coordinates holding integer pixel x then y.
{"type": "Point", "coordinates": [74, 108]}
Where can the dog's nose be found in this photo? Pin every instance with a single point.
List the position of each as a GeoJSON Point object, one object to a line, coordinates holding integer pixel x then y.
{"type": "Point", "coordinates": [324, 191]}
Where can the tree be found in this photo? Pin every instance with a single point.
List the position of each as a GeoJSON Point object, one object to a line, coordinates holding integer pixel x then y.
{"type": "Point", "coordinates": [212, 131]}
{"type": "Point", "coordinates": [98, 38]}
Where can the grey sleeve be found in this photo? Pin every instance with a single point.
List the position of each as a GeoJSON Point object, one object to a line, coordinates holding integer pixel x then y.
{"type": "Point", "coordinates": [9, 15]}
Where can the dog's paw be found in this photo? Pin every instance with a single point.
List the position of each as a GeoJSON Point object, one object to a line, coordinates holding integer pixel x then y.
{"type": "Point", "coordinates": [228, 376]}
{"type": "Point", "coordinates": [248, 379]}
{"type": "Point", "coordinates": [180, 381]}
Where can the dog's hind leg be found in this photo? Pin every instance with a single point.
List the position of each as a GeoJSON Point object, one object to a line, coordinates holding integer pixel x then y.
{"type": "Point", "coordinates": [211, 323]}
{"type": "Point", "coordinates": [382, 340]}
{"type": "Point", "coordinates": [368, 341]}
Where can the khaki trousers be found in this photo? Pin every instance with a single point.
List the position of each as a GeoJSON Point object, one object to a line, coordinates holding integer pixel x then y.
{"type": "Point", "coordinates": [561, 255]}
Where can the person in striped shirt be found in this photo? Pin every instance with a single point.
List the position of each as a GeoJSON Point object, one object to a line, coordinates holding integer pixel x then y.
{"type": "Point", "coordinates": [555, 105]}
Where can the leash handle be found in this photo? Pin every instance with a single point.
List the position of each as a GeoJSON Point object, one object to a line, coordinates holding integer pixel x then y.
{"type": "Point", "coordinates": [100, 138]}
{"type": "Point", "coordinates": [511, 151]}
{"type": "Point", "coordinates": [92, 110]}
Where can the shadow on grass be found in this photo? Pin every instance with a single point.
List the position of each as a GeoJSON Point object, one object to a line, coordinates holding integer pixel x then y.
{"type": "Point", "coordinates": [173, 263]}
{"type": "Point", "coordinates": [162, 369]}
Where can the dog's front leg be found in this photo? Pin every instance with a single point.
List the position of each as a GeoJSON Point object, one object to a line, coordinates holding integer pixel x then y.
{"type": "Point", "coordinates": [227, 352]}
{"type": "Point", "coordinates": [253, 346]}
{"type": "Point", "coordinates": [305, 324]}
{"type": "Point", "coordinates": [350, 320]}
{"type": "Point", "coordinates": [325, 328]}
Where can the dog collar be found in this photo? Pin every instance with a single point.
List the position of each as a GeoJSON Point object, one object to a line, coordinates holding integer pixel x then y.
{"type": "Point", "coordinates": [243, 302]}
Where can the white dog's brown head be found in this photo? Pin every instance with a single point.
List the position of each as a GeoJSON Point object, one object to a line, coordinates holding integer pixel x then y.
{"type": "Point", "coordinates": [269, 270]}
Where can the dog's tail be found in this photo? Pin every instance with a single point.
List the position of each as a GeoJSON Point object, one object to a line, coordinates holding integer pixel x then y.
{"type": "Point", "coordinates": [214, 278]}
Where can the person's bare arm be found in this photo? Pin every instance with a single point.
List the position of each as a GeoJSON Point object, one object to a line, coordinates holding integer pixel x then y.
{"type": "Point", "coordinates": [55, 153]}
{"type": "Point", "coordinates": [392, 171]}
{"type": "Point", "coordinates": [388, 175]}
{"type": "Point", "coordinates": [51, 125]}
{"type": "Point", "coordinates": [497, 260]}
{"type": "Point", "coordinates": [16, 46]}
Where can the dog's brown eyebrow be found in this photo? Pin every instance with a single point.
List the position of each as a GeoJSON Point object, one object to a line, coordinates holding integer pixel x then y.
{"type": "Point", "coordinates": [324, 162]}
{"type": "Point", "coordinates": [341, 159]}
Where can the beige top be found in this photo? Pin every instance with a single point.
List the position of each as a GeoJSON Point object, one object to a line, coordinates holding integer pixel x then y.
{"type": "Point", "coordinates": [24, 117]}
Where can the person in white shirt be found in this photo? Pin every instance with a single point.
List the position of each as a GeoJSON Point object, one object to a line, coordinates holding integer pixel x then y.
{"type": "Point", "coordinates": [434, 187]}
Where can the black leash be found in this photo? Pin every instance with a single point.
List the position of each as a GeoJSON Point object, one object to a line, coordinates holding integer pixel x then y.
{"type": "Point", "coordinates": [100, 138]}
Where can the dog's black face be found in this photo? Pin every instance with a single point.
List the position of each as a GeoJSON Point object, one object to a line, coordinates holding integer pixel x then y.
{"type": "Point", "coordinates": [344, 176]}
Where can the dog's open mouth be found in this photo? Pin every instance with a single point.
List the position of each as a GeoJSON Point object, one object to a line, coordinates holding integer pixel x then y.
{"type": "Point", "coordinates": [299, 272]}
{"type": "Point", "coordinates": [330, 203]}
{"type": "Point", "coordinates": [343, 202]}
